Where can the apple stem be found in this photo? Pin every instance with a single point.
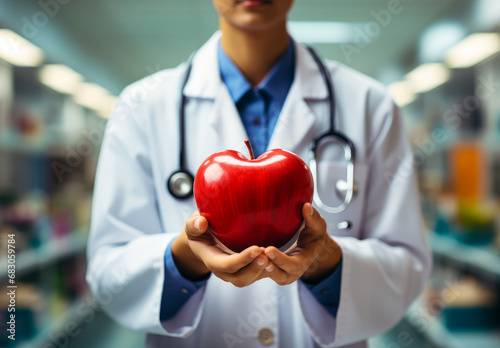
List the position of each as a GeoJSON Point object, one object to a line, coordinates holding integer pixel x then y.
{"type": "Point", "coordinates": [247, 143]}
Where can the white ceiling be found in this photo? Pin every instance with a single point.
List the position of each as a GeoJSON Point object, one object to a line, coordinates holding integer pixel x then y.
{"type": "Point", "coordinates": [133, 38]}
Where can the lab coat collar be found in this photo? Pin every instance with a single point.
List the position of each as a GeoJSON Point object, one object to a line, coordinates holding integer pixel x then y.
{"type": "Point", "coordinates": [296, 119]}
{"type": "Point", "coordinates": [205, 80]}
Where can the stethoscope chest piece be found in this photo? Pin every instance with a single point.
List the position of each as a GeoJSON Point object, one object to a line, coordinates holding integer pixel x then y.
{"type": "Point", "coordinates": [180, 184]}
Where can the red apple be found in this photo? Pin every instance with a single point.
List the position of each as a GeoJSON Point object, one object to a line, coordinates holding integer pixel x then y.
{"type": "Point", "coordinates": [253, 201]}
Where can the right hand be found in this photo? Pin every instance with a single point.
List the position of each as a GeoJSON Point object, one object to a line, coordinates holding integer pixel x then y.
{"type": "Point", "coordinates": [196, 253]}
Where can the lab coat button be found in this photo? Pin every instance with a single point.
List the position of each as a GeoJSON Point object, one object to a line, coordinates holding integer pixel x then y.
{"type": "Point", "coordinates": [266, 336]}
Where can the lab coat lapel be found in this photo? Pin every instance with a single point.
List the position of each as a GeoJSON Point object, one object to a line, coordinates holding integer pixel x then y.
{"type": "Point", "coordinates": [226, 122]}
{"type": "Point", "coordinates": [297, 120]}
{"type": "Point", "coordinates": [294, 123]}
{"type": "Point", "coordinates": [220, 125]}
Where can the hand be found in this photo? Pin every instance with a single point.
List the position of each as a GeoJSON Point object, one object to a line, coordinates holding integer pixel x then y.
{"type": "Point", "coordinates": [314, 258]}
{"type": "Point", "coordinates": [196, 254]}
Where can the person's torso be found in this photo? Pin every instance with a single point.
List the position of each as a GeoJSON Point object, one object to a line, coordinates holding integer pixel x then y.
{"type": "Point", "coordinates": [232, 317]}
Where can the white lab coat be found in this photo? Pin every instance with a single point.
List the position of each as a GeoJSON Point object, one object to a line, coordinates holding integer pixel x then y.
{"type": "Point", "coordinates": [385, 258]}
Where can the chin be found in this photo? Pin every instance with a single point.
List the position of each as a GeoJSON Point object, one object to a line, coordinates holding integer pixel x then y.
{"type": "Point", "coordinates": [255, 22]}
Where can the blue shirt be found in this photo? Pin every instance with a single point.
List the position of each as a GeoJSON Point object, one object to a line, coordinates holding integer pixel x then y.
{"type": "Point", "coordinates": [259, 108]}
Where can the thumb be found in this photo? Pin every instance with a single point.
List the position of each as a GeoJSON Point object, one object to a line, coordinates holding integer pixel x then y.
{"type": "Point", "coordinates": [196, 225]}
{"type": "Point", "coordinates": [313, 219]}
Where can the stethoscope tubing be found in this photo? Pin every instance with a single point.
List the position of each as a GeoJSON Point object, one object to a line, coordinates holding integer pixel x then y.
{"type": "Point", "coordinates": [348, 146]}
{"type": "Point", "coordinates": [180, 183]}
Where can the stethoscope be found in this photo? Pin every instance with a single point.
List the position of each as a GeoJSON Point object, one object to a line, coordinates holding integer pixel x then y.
{"type": "Point", "coordinates": [180, 183]}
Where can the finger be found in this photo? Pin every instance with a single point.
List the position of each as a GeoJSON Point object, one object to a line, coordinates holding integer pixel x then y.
{"type": "Point", "coordinates": [218, 261]}
{"type": "Point", "coordinates": [313, 219]}
{"type": "Point", "coordinates": [268, 271]}
{"type": "Point", "coordinates": [196, 225]}
{"type": "Point", "coordinates": [279, 276]}
{"type": "Point", "coordinates": [285, 262]}
{"type": "Point", "coordinates": [295, 264]}
{"type": "Point", "coordinates": [247, 275]}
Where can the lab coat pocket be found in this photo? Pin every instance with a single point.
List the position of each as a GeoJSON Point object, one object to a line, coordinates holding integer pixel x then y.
{"type": "Point", "coordinates": [329, 172]}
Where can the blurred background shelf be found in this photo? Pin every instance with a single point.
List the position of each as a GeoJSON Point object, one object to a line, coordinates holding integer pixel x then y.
{"type": "Point", "coordinates": [72, 318]}
{"type": "Point", "coordinates": [430, 327]}
{"type": "Point", "coordinates": [436, 334]}
{"type": "Point", "coordinates": [89, 327]}
{"type": "Point", "coordinates": [24, 147]}
{"type": "Point", "coordinates": [484, 260]}
{"type": "Point", "coordinates": [45, 255]}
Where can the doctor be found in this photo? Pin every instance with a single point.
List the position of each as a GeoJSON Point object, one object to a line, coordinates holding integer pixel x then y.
{"type": "Point", "coordinates": [151, 263]}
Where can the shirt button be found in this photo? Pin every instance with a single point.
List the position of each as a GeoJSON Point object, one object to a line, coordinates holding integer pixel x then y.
{"type": "Point", "coordinates": [256, 121]}
{"type": "Point", "coordinates": [266, 336]}
{"type": "Point", "coordinates": [185, 291]}
{"type": "Point", "coordinates": [324, 291]}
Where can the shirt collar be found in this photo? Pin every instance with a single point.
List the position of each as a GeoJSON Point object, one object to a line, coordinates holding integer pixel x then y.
{"type": "Point", "coordinates": [276, 83]}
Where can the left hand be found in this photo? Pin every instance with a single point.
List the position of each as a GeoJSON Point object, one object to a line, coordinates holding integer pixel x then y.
{"type": "Point", "coordinates": [314, 258]}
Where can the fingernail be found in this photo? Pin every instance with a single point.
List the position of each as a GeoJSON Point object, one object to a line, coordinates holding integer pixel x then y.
{"type": "Point", "coordinates": [311, 212]}
{"type": "Point", "coordinates": [270, 267]}
{"type": "Point", "coordinates": [261, 262]}
{"type": "Point", "coordinates": [197, 224]}
{"type": "Point", "coordinates": [271, 256]}
{"type": "Point", "coordinates": [254, 254]}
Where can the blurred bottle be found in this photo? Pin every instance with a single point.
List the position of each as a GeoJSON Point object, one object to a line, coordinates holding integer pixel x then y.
{"type": "Point", "coordinates": [468, 168]}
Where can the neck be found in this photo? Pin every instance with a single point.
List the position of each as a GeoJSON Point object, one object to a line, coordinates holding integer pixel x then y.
{"type": "Point", "coordinates": [254, 53]}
